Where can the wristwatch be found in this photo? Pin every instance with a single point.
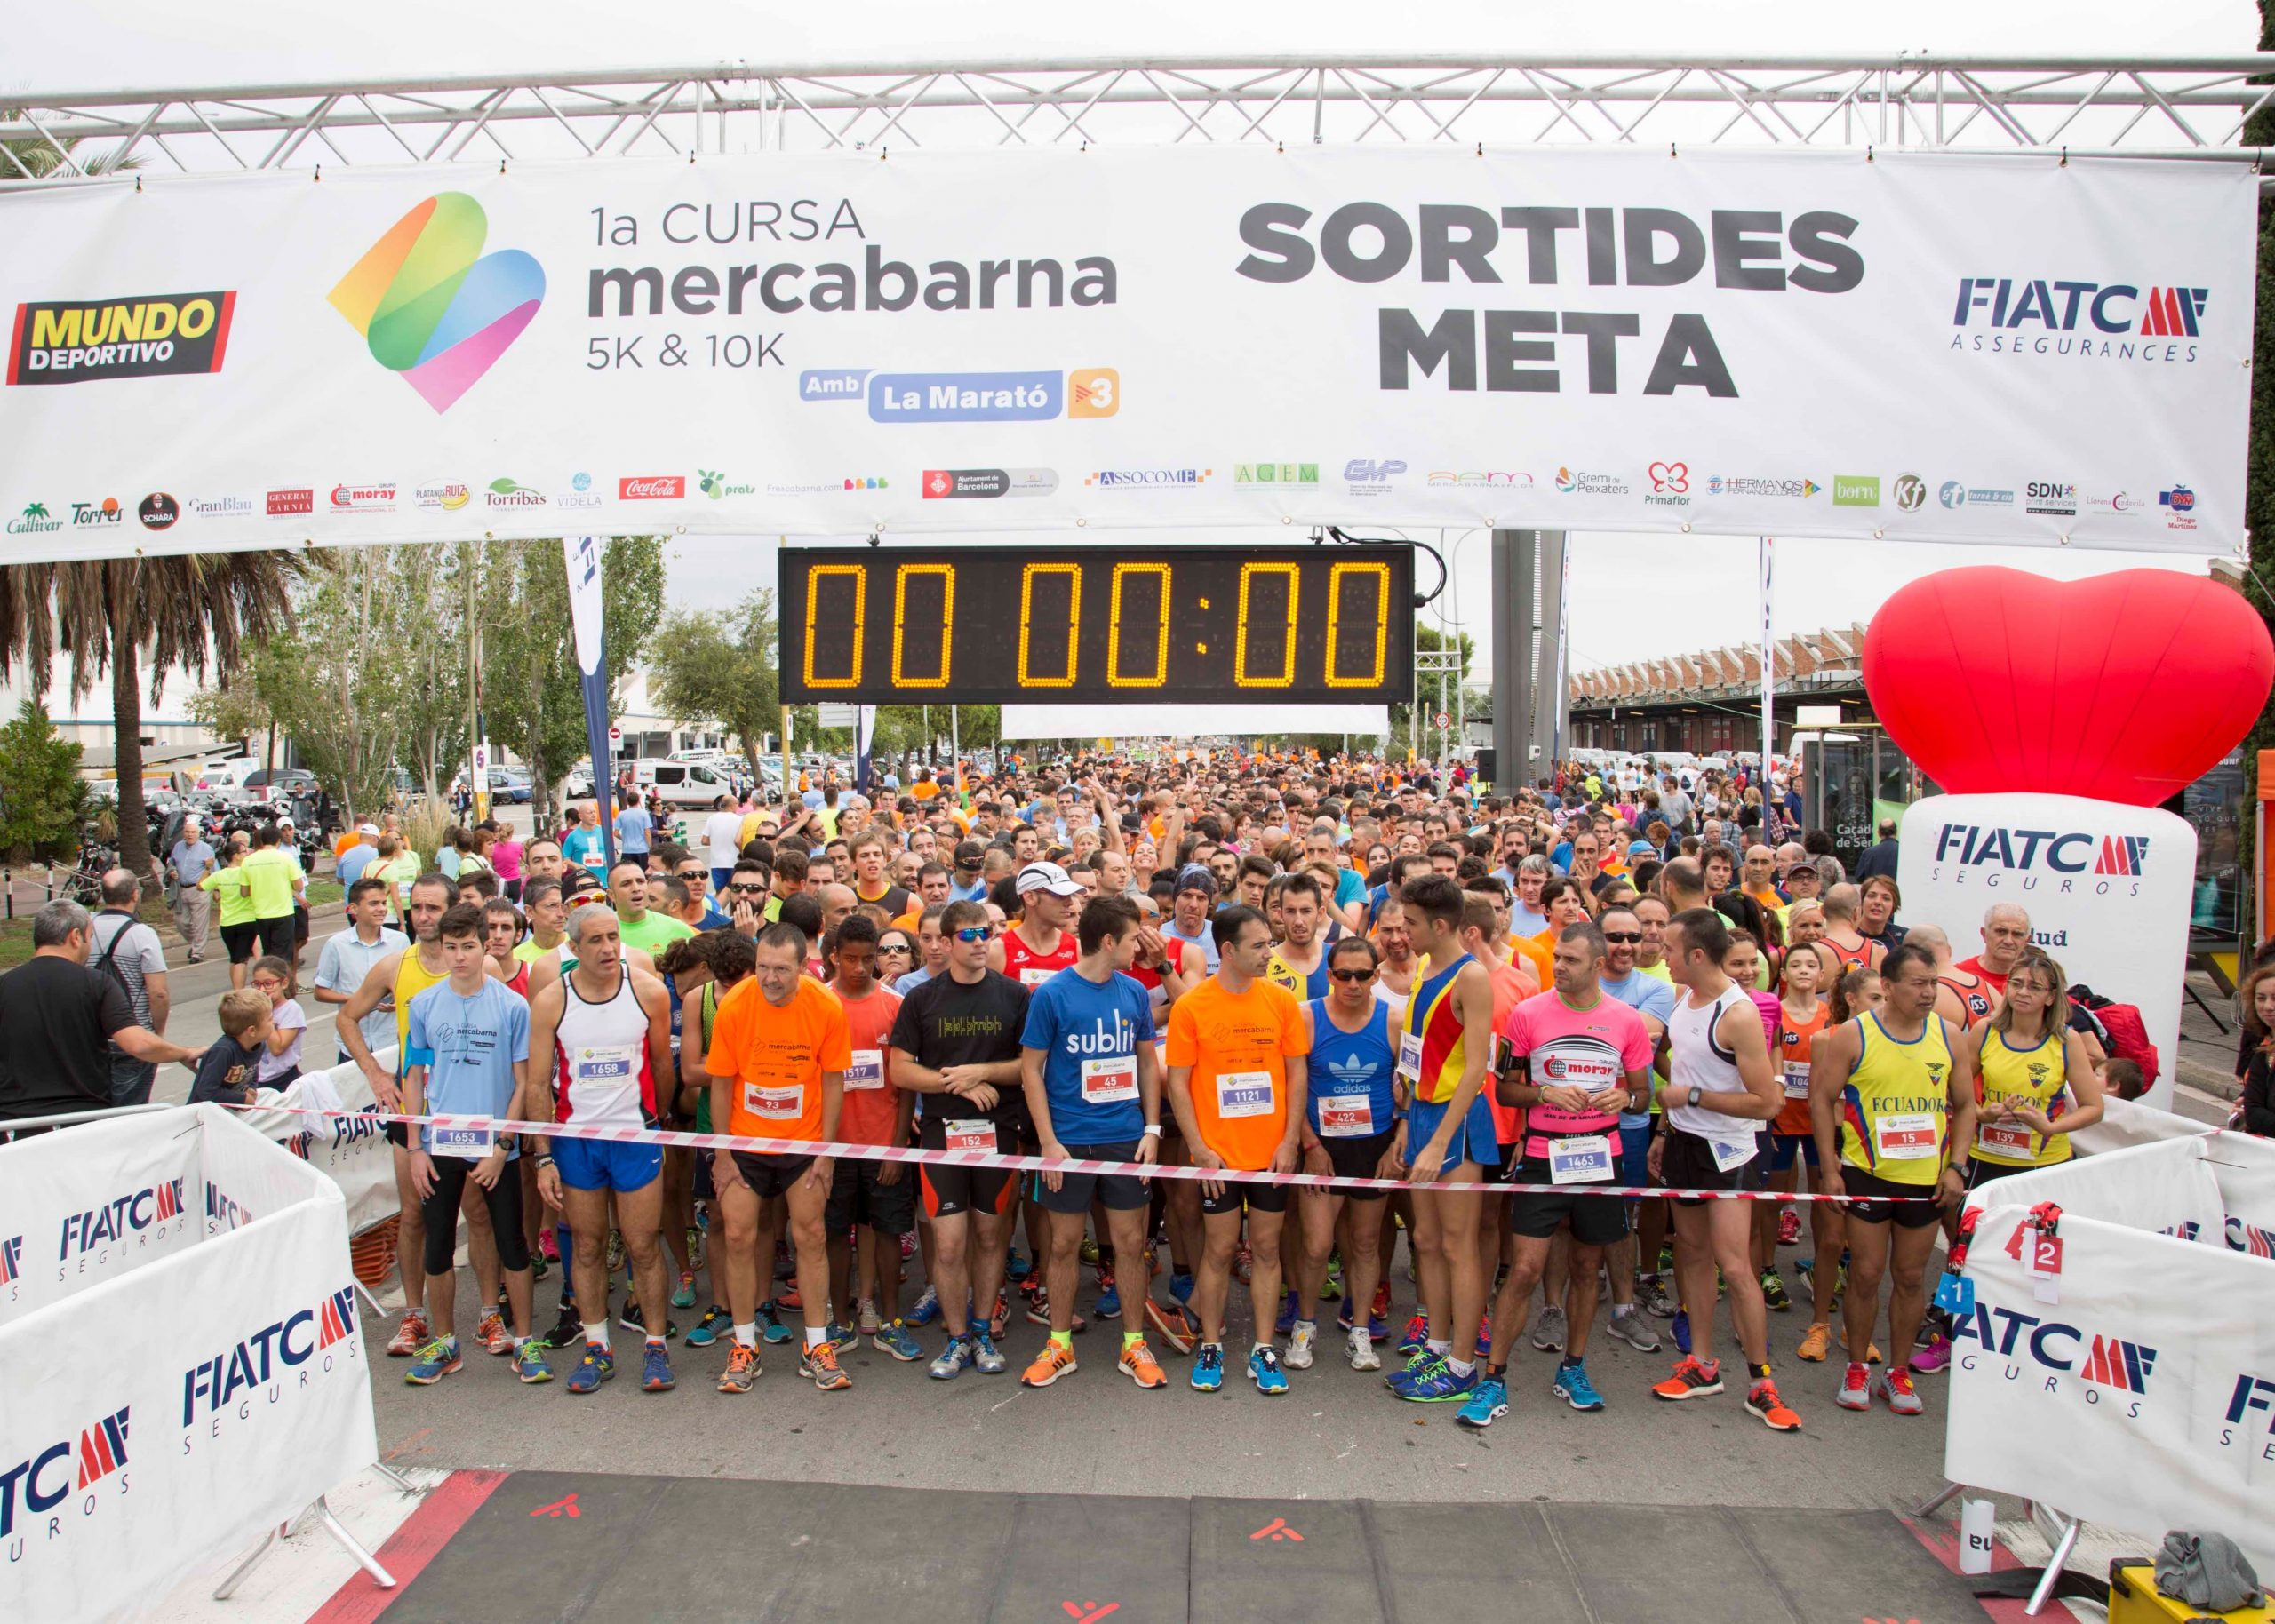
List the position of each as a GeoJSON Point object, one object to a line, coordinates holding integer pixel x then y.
{"type": "Point", "coordinates": [1152, 1130]}
{"type": "Point", "coordinates": [1697, 1094]}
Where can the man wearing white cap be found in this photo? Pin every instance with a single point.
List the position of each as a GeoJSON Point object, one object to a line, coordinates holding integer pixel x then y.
{"type": "Point", "coordinates": [1040, 944]}
{"type": "Point", "coordinates": [358, 857]}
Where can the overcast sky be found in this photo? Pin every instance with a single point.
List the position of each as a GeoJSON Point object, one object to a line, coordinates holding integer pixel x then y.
{"type": "Point", "coordinates": [1631, 596]}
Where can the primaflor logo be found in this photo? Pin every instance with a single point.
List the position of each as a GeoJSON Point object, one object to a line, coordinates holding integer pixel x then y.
{"type": "Point", "coordinates": [432, 306]}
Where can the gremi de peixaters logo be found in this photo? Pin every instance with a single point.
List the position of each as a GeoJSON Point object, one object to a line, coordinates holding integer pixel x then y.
{"type": "Point", "coordinates": [33, 1490]}
{"type": "Point", "coordinates": [432, 306]}
{"type": "Point", "coordinates": [268, 1366]}
{"type": "Point", "coordinates": [2025, 859]}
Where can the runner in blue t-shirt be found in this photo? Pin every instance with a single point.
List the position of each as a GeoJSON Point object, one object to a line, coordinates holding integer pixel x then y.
{"type": "Point", "coordinates": [464, 1038]}
{"type": "Point", "coordinates": [1093, 1081]}
{"type": "Point", "coordinates": [1355, 1132]}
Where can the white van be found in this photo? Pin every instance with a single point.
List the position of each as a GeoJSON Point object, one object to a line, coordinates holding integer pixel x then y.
{"type": "Point", "coordinates": [682, 783]}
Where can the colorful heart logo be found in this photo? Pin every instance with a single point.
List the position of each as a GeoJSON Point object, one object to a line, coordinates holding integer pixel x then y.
{"type": "Point", "coordinates": [2125, 687]}
{"type": "Point", "coordinates": [432, 305]}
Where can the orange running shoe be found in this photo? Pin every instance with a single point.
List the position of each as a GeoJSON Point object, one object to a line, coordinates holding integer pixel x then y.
{"type": "Point", "coordinates": [1691, 1379]}
{"type": "Point", "coordinates": [410, 1337]}
{"type": "Point", "coordinates": [819, 1365]}
{"type": "Point", "coordinates": [1816, 1344]}
{"type": "Point", "coordinates": [1138, 1364]}
{"type": "Point", "coordinates": [1761, 1399]}
{"type": "Point", "coordinates": [1052, 1363]}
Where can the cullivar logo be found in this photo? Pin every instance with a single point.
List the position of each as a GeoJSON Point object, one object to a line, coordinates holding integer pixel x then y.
{"type": "Point", "coordinates": [432, 306]}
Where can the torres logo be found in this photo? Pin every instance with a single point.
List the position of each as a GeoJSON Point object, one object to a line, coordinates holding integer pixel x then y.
{"type": "Point", "coordinates": [432, 306]}
{"type": "Point", "coordinates": [45, 1481]}
{"type": "Point", "coordinates": [139, 337]}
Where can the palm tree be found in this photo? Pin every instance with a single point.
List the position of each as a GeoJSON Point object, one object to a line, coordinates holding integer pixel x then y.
{"type": "Point", "coordinates": [181, 613]}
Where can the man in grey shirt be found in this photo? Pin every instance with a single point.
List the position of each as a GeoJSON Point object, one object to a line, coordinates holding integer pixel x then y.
{"type": "Point", "coordinates": [120, 945]}
{"type": "Point", "coordinates": [190, 862]}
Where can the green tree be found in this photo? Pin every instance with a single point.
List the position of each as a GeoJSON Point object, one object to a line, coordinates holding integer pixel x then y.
{"type": "Point", "coordinates": [718, 666]}
{"type": "Point", "coordinates": [42, 796]}
{"type": "Point", "coordinates": [186, 612]}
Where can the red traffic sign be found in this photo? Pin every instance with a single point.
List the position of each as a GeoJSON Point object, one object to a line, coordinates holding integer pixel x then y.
{"type": "Point", "coordinates": [1444, 721]}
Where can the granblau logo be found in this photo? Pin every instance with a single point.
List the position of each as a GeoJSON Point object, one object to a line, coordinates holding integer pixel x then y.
{"type": "Point", "coordinates": [137, 1213]}
{"type": "Point", "coordinates": [42, 1482]}
{"type": "Point", "coordinates": [2100, 1364]}
{"type": "Point", "coordinates": [261, 1359]}
{"type": "Point", "coordinates": [2069, 857]}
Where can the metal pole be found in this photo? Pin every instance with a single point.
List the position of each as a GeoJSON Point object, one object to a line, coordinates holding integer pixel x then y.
{"type": "Point", "coordinates": [1769, 677]}
{"type": "Point", "coordinates": [786, 762]}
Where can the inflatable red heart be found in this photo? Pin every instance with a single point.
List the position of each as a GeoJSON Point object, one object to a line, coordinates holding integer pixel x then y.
{"type": "Point", "coordinates": [2126, 686]}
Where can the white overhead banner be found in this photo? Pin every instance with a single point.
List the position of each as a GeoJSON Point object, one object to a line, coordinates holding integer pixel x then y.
{"type": "Point", "coordinates": [921, 341]}
{"type": "Point", "coordinates": [1185, 721]}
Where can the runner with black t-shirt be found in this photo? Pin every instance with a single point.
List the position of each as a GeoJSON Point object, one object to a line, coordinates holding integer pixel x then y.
{"type": "Point", "coordinates": [955, 1045]}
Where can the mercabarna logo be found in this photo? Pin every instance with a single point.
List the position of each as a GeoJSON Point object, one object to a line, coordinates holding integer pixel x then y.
{"type": "Point", "coordinates": [432, 306]}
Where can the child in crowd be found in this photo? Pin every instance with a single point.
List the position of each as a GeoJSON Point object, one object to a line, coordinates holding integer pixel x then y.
{"type": "Point", "coordinates": [280, 1056]}
{"type": "Point", "coordinates": [225, 1072]}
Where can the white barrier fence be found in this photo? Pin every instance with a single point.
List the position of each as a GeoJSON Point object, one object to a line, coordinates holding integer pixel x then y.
{"type": "Point", "coordinates": [175, 1383]}
{"type": "Point", "coordinates": [2136, 1387]}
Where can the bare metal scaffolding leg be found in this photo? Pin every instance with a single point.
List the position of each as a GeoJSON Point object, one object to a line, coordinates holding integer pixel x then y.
{"type": "Point", "coordinates": [321, 1510]}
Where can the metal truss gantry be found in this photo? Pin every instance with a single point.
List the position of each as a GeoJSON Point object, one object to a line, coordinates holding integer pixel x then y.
{"type": "Point", "coordinates": [2164, 108]}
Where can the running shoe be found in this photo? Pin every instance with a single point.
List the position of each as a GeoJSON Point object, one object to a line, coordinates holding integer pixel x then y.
{"type": "Point", "coordinates": [698, 1246]}
{"type": "Point", "coordinates": [954, 1359]}
{"type": "Point", "coordinates": [1090, 1251]}
{"type": "Point", "coordinates": [684, 1296]}
{"type": "Point", "coordinates": [1108, 1305]}
{"type": "Point", "coordinates": [1680, 1325]}
{"type": "Point", "coordinates": [1175, 1323]}
{"type": "Point", "coordinates": [656, 1370]}
{"type": "Point", "coordinates": [1243, 1263]}
{"type": "Point", "coordinates": [1038, 1304]}
{"type": "Point", "coordinates": [1691, 1379]}
{"type": "Point", "coordinates": [1017, 1267]}
{"type": "Point", "coordinates": [1331, 1289]}
{"type": "Point", "coordinates": [1416, 1336]}
{"type": "Point", "coordinates": [1549, 1330]}
{"type": "Point", "coordinates": [1630, 1326]}
{"type": "Point", "coordinates": [1667, 1258]}
{"type": "Point", "coordinates": [1378, 1328]}
{"type": "Point", "coordinates": [787, 1296]}
{"type": "Point", "coordinates": [1488, 1403]}
{"type": "Point", "coordinates": [714, 1325]}
{"type": "Point", "coordinates": [1424, 1362]}
{"type": "Point", "coordinates": [845, 1338]}
{"type": "Point", "coordinates": [1574, 1388]}
{"type": "Point", "coordinates": [1209, 1368]}
{"type": "Point", "coordinates": [491, 1332]}
{"type": "Point", "coordinates": [1137, 1363]}
{"type": "Point", "coordinates": [819, 1365]}
{"type": "Point", "coordinates": [927, 1310]}
{"type": "Point", "coordinates": [437, 1359]}
{"type": "Point", "coordinates": [529, 1364]}
{"type": "Point", "coordinates": [597, 1365]}
{"type": "Point", "coordinates": [985, 1357]}
{"type": "Point", "coordinates": [410, 1337]}
{"type": "Point", "coordinates": [1816, 1344]}
{"type": "Point", "coordinates": [1264, 1370]}
{"type": "Point", "coordinates": [1000, 1321]}
{"type": "Point", "coordinates": [893, 1337]}
{"type": "Point", "coordinates": [1287, 1320]}
{"type": "Point", "coordinates": [615, 1251]}
{"type": "Point", "coordinates": [1871, 1353]}
{"type": "Point", "coordinates": [742, 1370]}
{"type": "Point", "coordinates": [1301, 1336]}
{"type": "Point", "coordinates": [1442, 1385]}
{"type": "Point", "coordinates": [636, 1317]}
{"type": "Point", "coordinates": [1380, 1311]}
{"type": "Point", "coordinates": [908, 1245]}
{"type": "Point", "coordinates": [1772, 1291]}
{"type": "Point", "coordinates": [1358, 1350]}
{"type": "Point", "coordinates": [771, 1327]}
{"type": "Point", "coordinates": [538, 1267]}
{"type": "Point", "coordinates": [1052, 1363]}
{"type": "Point", "coordinates": [1903, 1397]}
{"type": "Point", "coordinates": [567, 1331]}
{"type": "Point", "coordinates": [1789, 1227]}
{"type": "Point", "coordinates": [547, 1247]}
{"type": "Point", "coordinates": [1933, 1357]}
{"type": "Point", "coordinates": [1762, 1402]}
{"type": "Point", "coordinates": [1855, 1388]}
{"type": "Point", "coordinates": [1654, 1299]}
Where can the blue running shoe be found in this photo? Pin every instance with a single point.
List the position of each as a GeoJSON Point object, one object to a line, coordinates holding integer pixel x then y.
{"type": "Point", "coordinates": [1209, 1368]}
{"type": "Point", "coordinates": [1440, 1386]}
{"type": "Point", "coordinates": [684, 1294]}
{"type": "Point", "coordinates": [895, 1339]}
{"type": "Point", "coordinates": [1108, 1305]}
{"type": "Point", "coordinates": [1574, 1388]}
{"type": "Point", "coordinates": [1015, 1266]}
{"type": "Point", "coordinates": [954, 1359]}
{"type": "Point", "coordinates": [1488, 1403]}
{"type": "Point", "coordinates": [927, 1310]}
{"type": "Point", "coordinates": [845, 1337]}
{"type": "Point", "coordinates": [1287, 1320]}
{"type": "Point", "coordinates": [1681, 1328]}
{"type": "Point", "coordinates": [437, 1359]}
{"type": "Point", "coordinates": [1416, 1334]}
{"type": "Point", "coordinates": [597, 1365]}
{"type": "Point", "coordinates": [1181, 1289]}
{"type": "Point", "coordinates": [771, 1328]}
{"type": "Point", "coordinates": [714, 1324]}
{"type": "Point", "coordinates": [656, 1370]}
{"type": "Point", "coordinates": [529, 1364]}
{"type": "Point", "coordinates": [984, 1353]}
{"type": "Point", "coordinates": [1424, 1363]}
{"type": "Point", "coordinates": [1264, 1370]}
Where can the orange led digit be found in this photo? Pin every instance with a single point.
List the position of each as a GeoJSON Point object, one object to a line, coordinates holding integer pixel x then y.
{"type": "Point", "coordinates": [947, 574]}
{"type": "Point", "coordinates": [1161, 672]}
{"type": "Point", "coordinates": [1287, 677]}
{"type": "Point", "coordinates": [1336, 578]}
{"type": "Point", "coordinates": [814, 577]}
{"type": "Point", "coordinates": [1027, 577]}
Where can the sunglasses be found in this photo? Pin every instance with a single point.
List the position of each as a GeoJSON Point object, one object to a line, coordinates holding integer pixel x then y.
{"type": "Point", "coordinates": [895, 947]}
{"type": "Point", "coordinates": [747, 889]}
{"type": "Point", "coordinates": [975, 932]}
{"type": "Point", "coordinates": [1622, 936]}
{"type": "Point", "coordinates": [1352, 975]}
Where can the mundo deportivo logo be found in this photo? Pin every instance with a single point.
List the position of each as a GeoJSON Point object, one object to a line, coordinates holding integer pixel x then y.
{"type": "Point", "coordinates": [432, 306]}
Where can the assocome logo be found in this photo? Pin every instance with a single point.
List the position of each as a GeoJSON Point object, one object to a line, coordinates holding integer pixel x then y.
{"type": "Point", "coordinates": [432, 306]}
{"type": "Point", "coordinates": [1147, 478]}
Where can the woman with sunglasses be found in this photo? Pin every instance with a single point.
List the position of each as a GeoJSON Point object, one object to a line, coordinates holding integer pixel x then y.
{"type": "Point", "coordinates": [895, 956]}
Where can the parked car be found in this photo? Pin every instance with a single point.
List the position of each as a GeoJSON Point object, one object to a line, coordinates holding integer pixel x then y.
{"type": "Point", "coordinates": [682, 783]}
{"type": "Point", "coordinates": [508, 786]}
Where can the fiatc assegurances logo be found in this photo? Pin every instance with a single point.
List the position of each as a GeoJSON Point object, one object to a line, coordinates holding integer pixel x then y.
{"type": "Point", "coordinates": [432, 306]}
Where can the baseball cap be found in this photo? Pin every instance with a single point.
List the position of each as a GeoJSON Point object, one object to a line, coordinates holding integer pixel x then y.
{"type": "Point", "coordinates": [1196, 877]}
{"type": "Point", "coordinates": [1642, 848]}
{"type": "Point", "coordinates": [367, 829]}
{"type": "Point", "coordinates": [1046, 877]}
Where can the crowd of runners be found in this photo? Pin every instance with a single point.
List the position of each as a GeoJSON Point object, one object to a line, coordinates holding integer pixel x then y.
{"type": "Point", "coordinates": [1248, 965]}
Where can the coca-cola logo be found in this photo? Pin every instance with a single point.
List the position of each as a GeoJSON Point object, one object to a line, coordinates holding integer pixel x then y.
{"type": "Point", "coordinates": [652, 487]}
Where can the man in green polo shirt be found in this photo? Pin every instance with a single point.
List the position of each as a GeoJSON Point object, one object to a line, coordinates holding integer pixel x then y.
{"type": "Point", "coordinates": [272, 878]}
{"type": "Point", "coordinates": [637, 924]}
